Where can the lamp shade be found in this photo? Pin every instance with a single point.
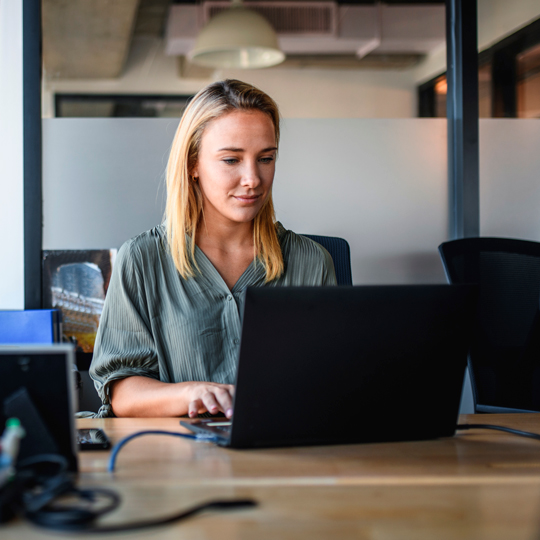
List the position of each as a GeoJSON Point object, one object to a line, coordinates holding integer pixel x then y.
{"type": "Point", "coordinates": [237, 38]}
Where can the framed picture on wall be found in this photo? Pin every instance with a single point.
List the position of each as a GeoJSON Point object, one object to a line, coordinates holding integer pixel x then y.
{"type": "Point", "coordinates": [76, 282]}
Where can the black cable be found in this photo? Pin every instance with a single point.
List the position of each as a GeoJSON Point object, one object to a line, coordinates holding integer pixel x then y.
{"type": "Point", "coordinates": [74, 516]}
{"type": "Point", "coordinates": [41, 459]}
{"type": "Point", "coordinates": [518, 432]}
{"type": "Point", "coordinates": [42, 488]}
{"type": "Point", "coordinates": [57, 521]}
{"type": "Point", "coordinates": [41, 467]}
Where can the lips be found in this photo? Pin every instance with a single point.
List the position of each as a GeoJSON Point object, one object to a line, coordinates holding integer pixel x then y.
{"type": "Point", "coordinates": [246, 198]}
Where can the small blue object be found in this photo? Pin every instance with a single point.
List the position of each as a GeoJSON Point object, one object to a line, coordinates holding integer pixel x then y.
{"type": "Point", "coordinates": [117, 447]}
{"type": "Point", "coordinates": [30, 326]}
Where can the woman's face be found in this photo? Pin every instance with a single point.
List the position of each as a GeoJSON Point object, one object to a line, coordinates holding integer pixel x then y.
{"type": "Point", "coordinates": [235, 167]}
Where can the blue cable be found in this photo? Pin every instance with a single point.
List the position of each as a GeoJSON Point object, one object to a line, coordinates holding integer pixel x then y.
{"type": "Point", "coordinates": [118, 446]}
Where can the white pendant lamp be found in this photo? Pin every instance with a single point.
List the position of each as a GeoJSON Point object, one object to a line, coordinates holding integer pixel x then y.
{"type": "Point", "coordinates": [237, 38]}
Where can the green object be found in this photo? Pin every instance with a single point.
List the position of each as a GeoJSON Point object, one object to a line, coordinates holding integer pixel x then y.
{"type": "Point", "coordinates": [13, 422]}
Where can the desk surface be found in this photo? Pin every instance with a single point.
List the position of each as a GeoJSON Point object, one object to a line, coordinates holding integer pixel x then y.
{"type": "Point", "coordinates": [480, 484]}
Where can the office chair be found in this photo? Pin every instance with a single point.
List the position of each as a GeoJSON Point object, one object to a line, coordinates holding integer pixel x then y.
{"type": "Point", "coordinates": [341, 255]}
{"type": "Point", "coordinates": [504, 360]}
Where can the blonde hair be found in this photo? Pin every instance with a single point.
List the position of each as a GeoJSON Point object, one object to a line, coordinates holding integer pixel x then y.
{"type": "Point", "coordinates": [184, 198]}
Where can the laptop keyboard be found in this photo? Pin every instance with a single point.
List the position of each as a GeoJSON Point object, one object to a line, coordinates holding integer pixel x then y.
{"type": "Point", "coordinates": [210, 426]}
{"type": "Point", "coordinates": [223, 428]}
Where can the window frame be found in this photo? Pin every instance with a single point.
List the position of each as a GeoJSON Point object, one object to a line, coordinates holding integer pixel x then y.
{"type": "Point", "coordinates": [503, 58]}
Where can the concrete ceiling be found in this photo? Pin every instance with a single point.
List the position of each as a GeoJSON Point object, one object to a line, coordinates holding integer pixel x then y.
{"type": "Point", "coordinates": [151, 17]}
{"type": "Point", "coordinates": [87, 38]}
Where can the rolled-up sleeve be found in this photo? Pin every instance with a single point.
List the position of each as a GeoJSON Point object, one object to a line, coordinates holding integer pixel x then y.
{"type": "Point", "coordinates": [124, 343]}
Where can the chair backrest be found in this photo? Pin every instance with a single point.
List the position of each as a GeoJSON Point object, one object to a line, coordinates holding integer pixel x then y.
{"type": "Point", "coordinates": [504, 359]}
{"type": "Point", "coordinates": [341, 255]}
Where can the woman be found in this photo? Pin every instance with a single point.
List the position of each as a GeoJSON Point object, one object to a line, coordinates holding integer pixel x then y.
{"type": "Point", "coordinates": [168, 338]}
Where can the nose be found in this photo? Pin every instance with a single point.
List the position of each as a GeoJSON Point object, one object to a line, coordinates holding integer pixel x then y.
{"type": "Point", "coordinates": [250, 174]}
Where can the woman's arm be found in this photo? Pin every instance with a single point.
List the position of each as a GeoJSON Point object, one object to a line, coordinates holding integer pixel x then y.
{"type": "Point", "coordinates": [143, 396]}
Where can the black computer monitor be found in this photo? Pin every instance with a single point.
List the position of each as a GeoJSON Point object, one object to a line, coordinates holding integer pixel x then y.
{"type": "Point", "coordinates": [37, 386]}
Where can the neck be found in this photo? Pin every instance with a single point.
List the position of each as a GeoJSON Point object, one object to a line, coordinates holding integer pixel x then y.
{"type": "Point", "coordinates": [224, 236]}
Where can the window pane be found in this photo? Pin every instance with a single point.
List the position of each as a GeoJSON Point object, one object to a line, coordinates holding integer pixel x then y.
{"type": "Point", "coordinates": [484, 91]}
{"type": "Point", "coordinates": [88, 106]}
{"type": "Point", "coordinates": [440, 89]}
{"type": "Point", "coordinates": [528, 85]}
{"type": "Point", "coordinates": [440, 97]}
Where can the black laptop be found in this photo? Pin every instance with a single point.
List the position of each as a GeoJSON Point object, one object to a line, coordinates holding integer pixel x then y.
{"type": "Point", "coordinates": [334, 365]}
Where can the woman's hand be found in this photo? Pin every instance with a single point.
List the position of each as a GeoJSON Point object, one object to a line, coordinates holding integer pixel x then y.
{"type": "Point", "coordinates": [211, 397]}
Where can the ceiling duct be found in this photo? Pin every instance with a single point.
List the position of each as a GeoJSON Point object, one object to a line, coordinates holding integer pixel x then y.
{"type": "Point", "coordinates": [325, 28]}
{"type": "Point", "coordinates": [293, 18]}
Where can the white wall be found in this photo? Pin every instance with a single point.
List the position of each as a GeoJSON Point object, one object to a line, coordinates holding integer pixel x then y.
{"type": "Point", "coordinates": [11, 156]}
{"type": "Point", "coordinates": [334, 93]}
{"type": "Point", "coordinates": [103, 179]}
{"type": "Point", "coordinates": [381, 184]}
{"type": "Point", "coordinates": [497, 19]}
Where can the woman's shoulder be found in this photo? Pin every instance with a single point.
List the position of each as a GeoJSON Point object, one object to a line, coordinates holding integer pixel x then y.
{"type": "Point", "coordinates": [144, 247]}
{"type": "Point", "coordinates": [306, 261]}
{"type": "Point", "coordinates": [298, 245]}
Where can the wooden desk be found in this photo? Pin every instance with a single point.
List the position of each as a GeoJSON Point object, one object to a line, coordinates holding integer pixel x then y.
{"type": "Point", "coordinates": [477, 485]}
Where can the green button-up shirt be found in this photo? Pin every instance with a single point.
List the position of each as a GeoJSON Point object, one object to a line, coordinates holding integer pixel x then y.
{"type": "Point", "coordinates": [157, 324]}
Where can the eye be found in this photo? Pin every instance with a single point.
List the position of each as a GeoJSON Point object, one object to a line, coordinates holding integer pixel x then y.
{"type": "Point", "coordinates": [267, 159]}
{"type": "Point", "coordinates": [230, 161]}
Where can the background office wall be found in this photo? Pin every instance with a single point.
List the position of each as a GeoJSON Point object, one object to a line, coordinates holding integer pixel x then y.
{"type": "Point", "coordinates": [334, 93]}
{"type": "Point", "coordinates": [11, 156]}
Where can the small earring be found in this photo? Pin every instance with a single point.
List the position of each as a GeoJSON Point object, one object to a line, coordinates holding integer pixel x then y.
{"type": "Point", "coordinates": [195, 178]}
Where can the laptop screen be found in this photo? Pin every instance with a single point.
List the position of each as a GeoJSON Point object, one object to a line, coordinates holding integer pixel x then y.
{"type": "Point", "coordinates": [322, 365]}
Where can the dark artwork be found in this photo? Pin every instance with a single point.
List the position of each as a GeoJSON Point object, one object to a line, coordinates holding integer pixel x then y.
{"type": "Point", "coordinates": [76, 282]}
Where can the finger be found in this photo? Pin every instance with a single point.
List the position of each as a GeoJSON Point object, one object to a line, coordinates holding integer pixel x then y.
{"type": "Point", "coordinates": [225, 401]}
{"type": "Point", "coordinates": [210, 402]}
{"type": "Point", "coordinates": [231, 389]}
{"type": "Point", "coordinates": [194, 407]}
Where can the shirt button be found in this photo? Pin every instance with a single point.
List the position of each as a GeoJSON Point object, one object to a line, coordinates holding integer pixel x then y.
{"type": "Point", "coordinates": [230, 297]}
{"type": "Point", "coordinates": [236, 341]}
